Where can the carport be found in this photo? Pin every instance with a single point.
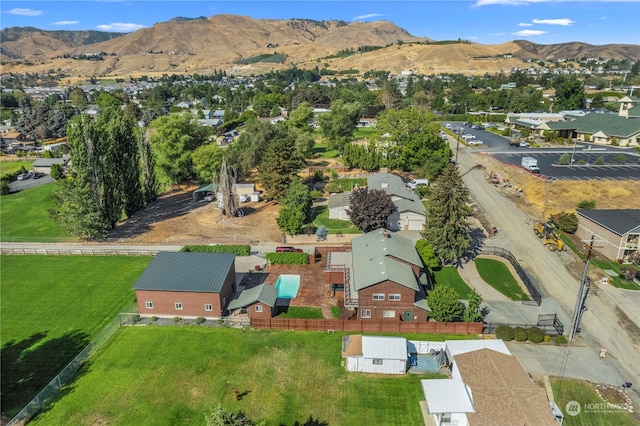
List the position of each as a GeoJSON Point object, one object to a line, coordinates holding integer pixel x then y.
{"type": "Point", "coordinates": [204, 192]}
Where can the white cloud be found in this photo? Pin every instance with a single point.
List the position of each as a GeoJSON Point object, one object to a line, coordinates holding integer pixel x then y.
{"type": "Point", "coordinates": [367, 16]}
{"type": "Point", "coordinates": [65, 23]}
{"type": "Point", "coordinates": [119, 27]}
{"type": "Point", "coordinates": [496, 34]}
{"type": "Point", "coordinates": [565, 22]}
{"type": "Point", "coordinates": [25, 12]}
{"type": "Point", "coordinates": [524, 24]}
{"type": "Point", "coordinates": [602, 18]}
{"type": "Point", "coordinates": [528, 33]}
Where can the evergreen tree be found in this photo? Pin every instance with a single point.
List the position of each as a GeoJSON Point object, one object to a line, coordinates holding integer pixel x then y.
{"type": "Point", "coordinates": [279, 166]}
{"type": "Point", "coordinates": [148, 168]}
{"type": "Point", "coordinates": [446, 227]}
{"type": "Point", "coordinates": [444, 303]}
{"type": "Point", "coordinates": [370, 209]}
{"type": "Point", "coordinates": [77, 212]}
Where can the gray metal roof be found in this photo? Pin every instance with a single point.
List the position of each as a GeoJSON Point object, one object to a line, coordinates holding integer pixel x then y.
{"type": "Point", "coordinates": [373, 260]}
{"type": "Point", "coordinates": [620, 221]}
{"type": "Point", "coordinates": [413, 205]}
{"type": "Point", "coordinates": [263, 293]}
{"type": "Point", "coordinates": [339, 200]}
{"type": "Point", "coordinates": [48, 162]}
{"type": "Point", "coordinates": [193, 272]}
{"type": "Point", "coordinates": [384, 347]}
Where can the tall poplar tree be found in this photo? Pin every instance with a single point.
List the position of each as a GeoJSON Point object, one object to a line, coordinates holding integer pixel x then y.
{"type": "Point", "coordinates": [446, 227]}
{"type": "Point", "coordinates": [279, 166]}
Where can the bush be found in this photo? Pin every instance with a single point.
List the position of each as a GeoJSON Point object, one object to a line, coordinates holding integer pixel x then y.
{"type": "Point", "coordinates": [587, 204]}
{"type": "Point", "coordinates": [335, 311]}
{"type": "Point", "coordinates": [520, 334]}
{"type": "Point", "coordinates": [535, 335]}
{"type": "Point", "coordinates": [288, 258]}
{"type": "Point", "coordinates": [561, 339]}
{"type": "Point", "coordinates": [564, 159]}
{"type": "Point", "coordinates": [4, 187]}
{"type": "Point", "coordinates": [505, 333]}
{"type": "Point", "coordinates": [566, 222]}
{"type": "Point", "coordinates": [200, 320]}
{"type": "Point", "coordinates": [154, 319]}
{"type": "Point", "coordinates": [57, 172]}
{"type": "Point", "coordinates": [176, 319]}
{"type": "Point", "coordinates": [547, 338]}
{"type": "Point", "coordinates": [238, 250]}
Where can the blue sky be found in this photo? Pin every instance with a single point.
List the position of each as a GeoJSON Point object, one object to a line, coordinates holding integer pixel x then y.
{"type": "Point", "coordinates": [482, 21]}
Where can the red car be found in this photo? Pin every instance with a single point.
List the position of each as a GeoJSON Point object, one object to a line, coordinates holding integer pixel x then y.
{"type": "Point", "coordinates": [286, 249]}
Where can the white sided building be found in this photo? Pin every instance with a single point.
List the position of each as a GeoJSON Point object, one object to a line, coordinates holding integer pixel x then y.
{"type": "Point", "coordinates": [375, 354]}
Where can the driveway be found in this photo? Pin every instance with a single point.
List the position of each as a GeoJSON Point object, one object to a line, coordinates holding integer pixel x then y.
{"type": "Point", "coordinates": [19, 185]}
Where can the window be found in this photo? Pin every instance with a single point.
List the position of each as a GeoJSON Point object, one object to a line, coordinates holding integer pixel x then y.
{"type": "Point", "coordinates": [178, 306]}
{"type": "Point", "coordinates": [258, 308]}
{"type": "Point", "coordinates": [377, 361]}
{"type": "Point", "coordinates": [208, 307]}
{"type": "Point", "coordinates": [394, 296]}
{"type": "Point", "coordinates": [149, 305]}
{"type": "Point", "coordinates": [378, 296]}
{"type": "Point", "coordinates": [365, 313]}
{"type": "Point", "coordinates": [388, 314]}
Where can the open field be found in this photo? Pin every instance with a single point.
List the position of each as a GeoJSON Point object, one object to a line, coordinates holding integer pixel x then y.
{"type": "Point", "coordinates": [24, 216]}
{"type": "Point", "coordinates": [13, 166]}
{"type": "Point", "coordinates": [51, 308]}
{"type": "Point", "coordinates": [174, 375]}
{"type": "Point", "coordinates": [498, 276]}
{"type": "Point", "coordinates": [450, 277]}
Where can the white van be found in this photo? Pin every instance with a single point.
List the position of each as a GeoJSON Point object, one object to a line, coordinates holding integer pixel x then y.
{"type": "Point", "coordinates": [417, 182]}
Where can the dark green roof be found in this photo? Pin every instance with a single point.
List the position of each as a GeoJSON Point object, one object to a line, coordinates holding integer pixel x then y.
{"type": "Point", "coordinates": [619, 221]}
{"type": "Point", "coordinates": [561, 125]}
{"type": "Point", "coordinates": [609, 124]}
{"type": "Point", "coordinates": [263, 293]}
{"type": "Point", "coordinates": [206, 188]}
{"type": "Point", "coordinates": [192, 272]}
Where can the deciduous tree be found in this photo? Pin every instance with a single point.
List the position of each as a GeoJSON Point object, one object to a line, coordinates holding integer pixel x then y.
{"type": "Point", "coordinates": [370, 209]}
{"type": "Point", "coordinates": [473, 313]}
{"type": "Point", "coordinates": [444, 303]}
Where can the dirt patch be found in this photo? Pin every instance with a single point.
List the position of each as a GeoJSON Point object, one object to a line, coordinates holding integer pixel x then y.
{"type": "Point", "coordinates": [175, 219]}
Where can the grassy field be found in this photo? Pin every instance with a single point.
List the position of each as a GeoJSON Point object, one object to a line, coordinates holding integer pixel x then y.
{"type": "Point", "coordinates": [321, 151]}
{"type": "Point", "coordinates": [13, 166]}
{"type": "Point", "coordinates": [498, 276]}
{"type": "Point", "coordinates": [334, 226]}
{"type": "Point", "coordinates": [24, 216]}
{"type": "Point", "coordinates": [51, 307]}
{"type": "Point", "coordinates": [174, 375]}
{"type": "Point", "coordinates": [565, 390]}
{"type": "Point", "coordinates": [449, 276]}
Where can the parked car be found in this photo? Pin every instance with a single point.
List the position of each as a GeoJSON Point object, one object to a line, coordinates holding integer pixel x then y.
{"type": "Point", "coordinates": [474, 142]}
{"type": "Point", "coordinates": [417, 182]}
{"type": "Point", "coordinates": [24, 176]}
{"type": "Point", "coordinates": [287, 249]}
{"type": "Point", "coordinates": [467, 136]}
{"type": "Point", "coordinates": [37, 175]}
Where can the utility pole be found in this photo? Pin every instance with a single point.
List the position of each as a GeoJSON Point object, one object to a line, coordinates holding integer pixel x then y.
{"type": "Point", "coordinates": [582, 295]}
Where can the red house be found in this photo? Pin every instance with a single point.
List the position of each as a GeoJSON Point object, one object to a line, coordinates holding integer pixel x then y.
{"type": "Point", "coordinates": [187, 285]}
{"type": "Point", "coordinates": [380, 278]}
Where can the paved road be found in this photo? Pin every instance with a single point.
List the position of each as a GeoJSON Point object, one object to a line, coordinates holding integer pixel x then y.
{"type": "Point", "coordinates": [19, 185]}
{"type": "Point", "coordinates": [603, 324]}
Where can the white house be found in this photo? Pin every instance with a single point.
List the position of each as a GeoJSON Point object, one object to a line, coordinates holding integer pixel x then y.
{"type": "Point", "coordinates": [375, 354]}
{"type": "Point", "coordinates": [488, 386]}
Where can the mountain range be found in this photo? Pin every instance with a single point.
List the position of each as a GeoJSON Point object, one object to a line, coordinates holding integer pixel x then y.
{"type": "Point", "coordinates": [247, 45]}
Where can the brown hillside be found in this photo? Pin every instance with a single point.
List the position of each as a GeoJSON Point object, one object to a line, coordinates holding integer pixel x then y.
{"type": "Point", "coordinates": [576, 50]}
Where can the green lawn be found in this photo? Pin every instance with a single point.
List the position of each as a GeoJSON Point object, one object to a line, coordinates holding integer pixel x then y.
{"type": "Point", "coordinates": [565, 390]}
{"type": "Point", "coordinates": [174, 375]}
{"type": "Point", "coordinates": [321, 151]}
{"type": "Point", "coordinates": [299, 312]}
{"type": "Point", "coordinates": [617, 281]}
{"type": "Point", "coordinates": [51, 307]}
{"type": "Point", "coordinates": [347, 184]}
{"type": "Point", "coordinates": [498, 276]}
{"type": "Point", "coordinates": [363, 132]}
{"type": "Point", "coordinates": [334, 226]}
{"type": "Point", "coordinates": [24, 216]}
{"type": "Point", "coordinates": [13, 166]}
{"type": "Point", "coordinates": [449, 276]}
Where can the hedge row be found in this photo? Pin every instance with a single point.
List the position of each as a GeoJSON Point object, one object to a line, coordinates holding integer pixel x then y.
{"type": "Point", "coordinates": [288, 258]}
{"type": "Point", "coordinates": [533, 334]}
{"type": "Point", "coordinates": [238, 250]}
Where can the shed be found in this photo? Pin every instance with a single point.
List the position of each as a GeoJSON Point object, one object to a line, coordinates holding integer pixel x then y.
{"type": "Point", "coordinates": [257, 302]}
{"type": "Point", "coordinates": [244, 189]}
{"type": "Point", "coordinates": [375, 354]}
{"type": "Point", "coordinates": [255, 196]}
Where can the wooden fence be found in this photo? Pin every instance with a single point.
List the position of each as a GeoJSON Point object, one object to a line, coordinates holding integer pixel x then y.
{"type": "Point", "coordinates": [80, 252]}
{"type": "Point", "coordinates": [368, 326]}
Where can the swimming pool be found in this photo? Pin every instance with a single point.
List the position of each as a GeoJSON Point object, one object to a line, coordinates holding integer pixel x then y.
{"type": "Point", "coordinates": [287, 286]}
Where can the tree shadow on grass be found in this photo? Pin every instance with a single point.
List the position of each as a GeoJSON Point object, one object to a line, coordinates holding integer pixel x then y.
{"type": "Point", "coordinates": [30, 364]}
{"type": "Point", "coordinates": [477, 240]}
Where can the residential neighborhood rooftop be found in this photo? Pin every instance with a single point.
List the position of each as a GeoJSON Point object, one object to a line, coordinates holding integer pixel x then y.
{"type": "Point", "coordinates": [620, 221]}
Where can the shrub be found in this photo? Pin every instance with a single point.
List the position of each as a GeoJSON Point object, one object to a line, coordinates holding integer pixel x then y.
{"type": "Point", "coordinates": [335, 311]}
{"type": "Point", "coordinates": [154, 319]}
{"type": "Point", "coordinates": [238, 250]}
{"type": "Point", "coordinates": [561, 339]}
{"type": "Point", "coordinates": [176, 319]}
{"type": "Point", "coordinates": [57, 172]}
{"type": "Point", "coordinates": [200, 320]}
{"type": "Point", "coordinates": [600, 161]}
{"type": "Point", "coordinates": [587, 204]}
{"type": "Point", "coordinates": [505, 333]}
{"type": "Point", "coordinates": [564, 159]}
{"type": "Point", "coordinates": [288, 258]}
{"type": "Point", "coordinates": [520, 334]}
{"type": "Point", "coordinates": [547, 338]}
{"type": "Point", "coordinates": [535, 335]}
{"type": "Point", "coordinates": [4, 187]}
{"type": "Point", "coordinates": [566, 222]}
